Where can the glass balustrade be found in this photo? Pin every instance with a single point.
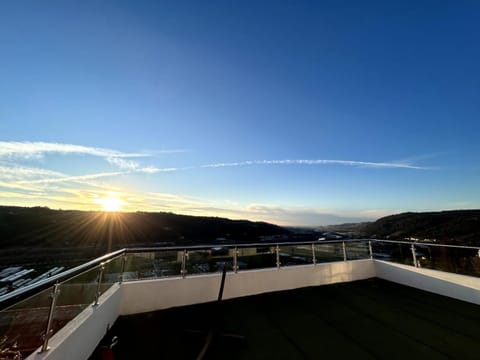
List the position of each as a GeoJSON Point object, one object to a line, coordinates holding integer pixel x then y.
{"type": "Point", "coordinates": [296, 255]}
{"type": "Point", "coordinates": [139, 266]}
{"type": "Point", "coordinates": [24, 324]}
{"type": "Point", "coordinates": [450, 259]}
{"type": "Point", "coordinates": [74, 295]}
{"type": "Point", "coordinates": [395, 252]}
{"type": "Point", "coordinates": [155, 264]}
{"type": "Point", "coordinates": [357, 250]}
{"type": "Point", "coordinates": [256, 257]}
{"type": "Point", "coordinates": [328, 252]}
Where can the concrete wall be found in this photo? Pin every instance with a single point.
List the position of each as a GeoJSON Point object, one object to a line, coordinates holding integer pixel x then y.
{"type": "Point", "coordinates": [466, 288]}
{"type": "Point", "coordinates": [79, 338]}
{"type": "Point", "coordinates": [150, 295]}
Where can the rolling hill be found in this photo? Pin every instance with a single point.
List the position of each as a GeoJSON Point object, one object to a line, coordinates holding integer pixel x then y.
{"type": "Point", "coordinates": [42, 233]}
{"type": "Point", "coordinates": [454, 227]}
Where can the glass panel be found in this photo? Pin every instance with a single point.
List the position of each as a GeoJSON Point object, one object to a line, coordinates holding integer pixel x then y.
{"type": "Point", "coordinates": [25, 323]}
{"type": "Point", "coordinates": [256, 257]}
{"type": "Point", "coordinates": [328, 252]}
{"type": "Point", "coordinates": [140, 266]}
{"type": "Point", "coordinates": [199, 262]}
{"type": "Point", "coordinates": [112, 273]}
{"type": "Point", "coordinates": [457, 260]}
{"type": "Point", "coordinates": [75, 295]}
{"type": "Point", "coordinates": [152, 264]}
{"type": "Point", "coordinates": [208, 261]}
{"type": "Point", "coordinates": [296, 255]}
{"type": "Point", "coordinates": [401, 253]}
{"type": "Point", "coordinates": [382, 250]}
{"type": "Point", "coordinates": [167, 263]}
{"type": "Point", "coordinates": [357, 250]}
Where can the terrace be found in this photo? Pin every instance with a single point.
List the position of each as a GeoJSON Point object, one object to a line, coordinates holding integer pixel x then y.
{"type": "Point", "coordinates": [294, 300]}
{"type": "Point", "coordinates": [363, 319]}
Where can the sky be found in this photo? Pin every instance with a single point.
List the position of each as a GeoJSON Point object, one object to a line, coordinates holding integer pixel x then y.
{"type": "Point", "coordinates": [291, 112]}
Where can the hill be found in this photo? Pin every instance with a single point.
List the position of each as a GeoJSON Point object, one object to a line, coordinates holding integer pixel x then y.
{"type": "Point", "coordinates": [39, 232]}
{"type": "Point", "coordinates": [453, 227]}
{"type": "Point", "coordinates": [347, 229]}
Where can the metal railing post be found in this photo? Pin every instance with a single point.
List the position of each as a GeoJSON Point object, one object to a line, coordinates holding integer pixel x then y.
{"type": "Point", "coordinates": [344, 247]}
{"type": "Point", "coordinates": [235, 260]}
{"type": "Point", "coordinates": [277, 255]}
{"type": "Point", "coordinates": [122, 270]}
{"type": "Point", "coordinates": [183, 270]}
{"type": "Point", "coordinates": [415, 263]}
{"type": "Point", "coordinates": [370, 249]}
{"type": "Point", "coordinates": [99, 283]}
{"type": "Point", "coordinates": [53, 296]}
{"type": "Point", "coordinates": [314, 258]}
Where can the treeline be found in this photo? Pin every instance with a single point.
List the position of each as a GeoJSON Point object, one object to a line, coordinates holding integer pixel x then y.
{"type": "Point", "coordinates": [454, 227]}
{"type": "Point", "coordinates": [38, 232]}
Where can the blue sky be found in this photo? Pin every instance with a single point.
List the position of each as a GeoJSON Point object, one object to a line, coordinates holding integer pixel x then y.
{"type": "Point", "coordinates": [298, 113]}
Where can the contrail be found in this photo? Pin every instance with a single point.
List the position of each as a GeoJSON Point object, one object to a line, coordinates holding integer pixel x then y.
{"type": "Point", "coordinates": [391, 165]}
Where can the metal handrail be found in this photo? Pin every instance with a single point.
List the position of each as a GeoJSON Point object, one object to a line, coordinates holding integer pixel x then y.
{"type": "Point", "coordinates": [289, 243]}
{"type": "Point", "coordinates": [424, 244]}
{"type": "Point", "coordinates": [26, 291]}
{"type": "Point", "coordinates": [237, 245]}
{"type": "Point", "coordinates": [55, 282]}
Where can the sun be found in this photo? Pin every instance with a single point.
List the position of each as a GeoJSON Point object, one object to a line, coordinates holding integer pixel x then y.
{"type": "Point", "coordinates": [111, 203]}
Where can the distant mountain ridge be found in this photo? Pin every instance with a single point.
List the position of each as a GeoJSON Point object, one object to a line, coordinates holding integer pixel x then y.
{"type": "Point", "coordinates": [453, 226]}
{"type": "Point", "coordinates": [44, 231]}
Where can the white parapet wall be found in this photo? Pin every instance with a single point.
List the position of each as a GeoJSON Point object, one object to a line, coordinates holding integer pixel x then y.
{"type": "Point", "coordinates": [79, 338]}
{"type": "Point", "coordinates": [151, 295]}
{"type": "Point", "coordinates": [461, 287]}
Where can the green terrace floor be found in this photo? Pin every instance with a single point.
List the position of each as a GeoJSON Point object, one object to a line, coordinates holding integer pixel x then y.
{"type": "Point", "coordinates": [371, 319]}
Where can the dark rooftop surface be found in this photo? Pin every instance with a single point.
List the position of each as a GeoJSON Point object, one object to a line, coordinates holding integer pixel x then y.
{"type": "Point", "coordinates": [371, 319]}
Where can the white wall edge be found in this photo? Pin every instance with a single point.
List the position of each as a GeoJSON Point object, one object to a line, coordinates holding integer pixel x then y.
{"type": "Point", "coordinates": [461, 287]}
{"type": "Point", "coordinates": [78, 339]}
{"type": "Point", "coordinates": [157, 294]}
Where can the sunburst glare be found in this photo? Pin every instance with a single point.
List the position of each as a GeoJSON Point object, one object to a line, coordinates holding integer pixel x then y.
{"type": "Point", "coordinates": [111, 203]}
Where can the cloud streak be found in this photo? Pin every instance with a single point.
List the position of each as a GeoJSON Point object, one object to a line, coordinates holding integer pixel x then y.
{"type": "Point", "coordinates": [20, 172]}
{"type": "Point", "coordinates": [134, 166]}
{"type": "Point", "coordinates": [79, 178]}
{"type": "Point", "coordinates": [14, 151]}
{"type": "Point", "coordinates": [23, 184]}
{"type": "Point", "coordinates": [391, 165]}
{"type": "Point", "coordinates": [30, 150]}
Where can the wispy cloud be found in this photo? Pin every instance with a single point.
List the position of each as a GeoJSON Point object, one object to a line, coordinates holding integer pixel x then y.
{"type": "Point", "coordinates": [124, 161]}
{"type": "Point", "coordinates": [21, 183]}
{"type": "Point", "coordinates": [38, 149]}
{"type": "Point", "coordinates": [370, 164]}
{"type": "Point", "coordinates": [166, 151]}
{"type": "Point", "coordinates": [15, 151]}
{"type": "Point", "coordinates": [134, 166]}
{"type": "Point", "coordinates": [19, 172]}
{"type": "Point", "coordinates": [73, 178]}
